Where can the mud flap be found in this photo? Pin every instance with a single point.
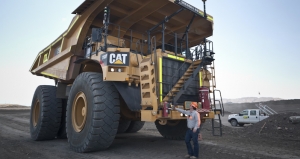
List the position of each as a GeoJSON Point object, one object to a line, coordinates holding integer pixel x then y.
{"type": "Point", "coordinates": [130, 94]}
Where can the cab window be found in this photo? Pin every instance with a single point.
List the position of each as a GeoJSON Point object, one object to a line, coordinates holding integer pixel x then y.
{"type": "Point", "coordinates": [245, 112]}
{"type": "Point", "coordinates": [253, 112]}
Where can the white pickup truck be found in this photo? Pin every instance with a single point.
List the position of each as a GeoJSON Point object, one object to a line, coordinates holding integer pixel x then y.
{"type": "Point", "coordinates": [247, 116]}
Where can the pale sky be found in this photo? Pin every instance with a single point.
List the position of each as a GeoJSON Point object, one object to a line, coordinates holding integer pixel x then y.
{"type": "Point", "coordinates": [257, 45]}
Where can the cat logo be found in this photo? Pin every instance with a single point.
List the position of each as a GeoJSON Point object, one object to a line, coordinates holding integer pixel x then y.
{"type": "Point", "coordinates": [121, 58]}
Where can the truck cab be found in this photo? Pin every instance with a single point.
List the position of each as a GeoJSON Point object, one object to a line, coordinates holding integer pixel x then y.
{"type": "Point", "coordinates": [247, 116]}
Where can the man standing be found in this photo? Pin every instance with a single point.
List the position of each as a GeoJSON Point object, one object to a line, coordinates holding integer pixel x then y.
{"type": "Point", "coordinates": [193, 124]}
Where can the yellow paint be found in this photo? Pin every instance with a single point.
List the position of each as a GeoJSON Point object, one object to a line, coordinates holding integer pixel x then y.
{"type": "Point", "coordinates": [79, 33]}
{"type": "Point", "coordinates": [201, 12]}
{"type": "Point", "coordinates": [200, 78]}
{"type": "Point", "coordinates": [62, 44]}
{"type": "Point", "coordinates": [46, 57]}
{"type": "Point", "coordinates": [146, 115]}
{"type": "Point", "coordinates": [119, 62]}
{"type": "Point", "coordinates": [176, 57]}
{"type": "Point", "coordinates": [210, 18]}
{"type": "Point", "coordinates": [74, 21]}
{"type": "Point", "coordinates": [48, 74]}
{"type": "Point", "coordinates": [160, 79]}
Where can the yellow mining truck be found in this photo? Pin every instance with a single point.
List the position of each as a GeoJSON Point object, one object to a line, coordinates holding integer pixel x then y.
{"type": "Point", "coordinates": [121, 63]}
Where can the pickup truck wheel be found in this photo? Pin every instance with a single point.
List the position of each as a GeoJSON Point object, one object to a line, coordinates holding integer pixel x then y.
{"type": "Point", "coordinates": [135, 126]}
{"type": "Point", "coordinates": [174, 129]}
{"type": "Point", "coordinates": [241, 124]}
{"type": "Point", "coordinates": [93, 113]}
{"type": "Point", "coordinates": [45, 114]}
{"type": "Point", "coordinates": [233, 122]}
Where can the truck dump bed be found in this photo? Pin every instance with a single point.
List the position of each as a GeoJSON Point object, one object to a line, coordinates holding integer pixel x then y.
{"type": "Point", "coordinates": [57, 60]}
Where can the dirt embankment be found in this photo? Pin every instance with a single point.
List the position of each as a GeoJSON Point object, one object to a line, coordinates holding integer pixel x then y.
{"type": "Point", "coordinates": [275, 137]}
{"type": "Point", "coordinates": [276, 126]}
{"type": "Point", "coordinates": [280, 106]}
{"type": "Point", "coordinates": [13, 106]}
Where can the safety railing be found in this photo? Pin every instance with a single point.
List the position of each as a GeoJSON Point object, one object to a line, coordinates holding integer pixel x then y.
{"type": "Point", "coordinates": [266, 109]}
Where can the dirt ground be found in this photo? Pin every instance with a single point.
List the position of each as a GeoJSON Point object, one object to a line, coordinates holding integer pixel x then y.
{"type": "Point", "coordinates": [236, 143]}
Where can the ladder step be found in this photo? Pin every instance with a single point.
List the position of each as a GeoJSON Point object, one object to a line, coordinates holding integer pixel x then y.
{"type": "Point", "coordinates": [181, 81]}
{"type": "Point", "coordinates": [187, 74]}
{"type": "Point", "coordinates": [189, 70]}
{"type": "Point", "coordinates": [195, 66]}
{"type": "Point", "coordinates": [185, 77]}
{"type": "Point", "coordinates": [197, 62]}
{"type": "Point", "coordinates": [178, 85]}
{"type": "Point", "coordinates": [171, 94]}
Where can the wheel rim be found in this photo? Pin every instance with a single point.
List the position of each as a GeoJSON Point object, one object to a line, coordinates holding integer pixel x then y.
{"type": "Point", "coordinates": [233, 123]}
{"type": "Point", "coordinates": [79, 112]}
{"type": "Point", "coordinates": [36, 113]}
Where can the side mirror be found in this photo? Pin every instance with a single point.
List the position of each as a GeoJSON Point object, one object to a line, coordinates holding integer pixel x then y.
{"type": "Point", "coordinates": [240, 114]}
{"type": "Point", "coordinates": [96, 34]}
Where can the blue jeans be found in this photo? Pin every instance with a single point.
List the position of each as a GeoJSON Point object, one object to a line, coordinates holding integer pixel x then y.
{"type": "Point", "coordinates": [194, 136]}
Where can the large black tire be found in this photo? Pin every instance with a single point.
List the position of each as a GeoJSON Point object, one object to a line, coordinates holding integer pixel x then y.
{"type": "Point", "coordinates": [45, 114]}
{"type": "Point", "coordinates": [123, 125]}
{"type": "Point", "coordinates": [101, 101]}
{"type": "Point", "coordinates": [62, 132]}
{"type": "Point", "coordinates": [174, 129]}
{"type": "Point", "coordinates": [135, 126]}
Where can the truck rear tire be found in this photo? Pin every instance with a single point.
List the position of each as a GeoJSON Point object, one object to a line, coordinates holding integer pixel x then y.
{"type": "Point", "coordinates": [123, 125]}
{"type": "Point", "coordinates": [45, 114]}
{"type": "Point", "coordinates": [135, 126]}
{"type": "Point", "coordinates": [62, 132]}
{"type": "Point", "coordinates": [92, 113]}
{"type": "Point", "coordinates": [174, 129]}
{"type": "Point", "coordinates": [233, 122]}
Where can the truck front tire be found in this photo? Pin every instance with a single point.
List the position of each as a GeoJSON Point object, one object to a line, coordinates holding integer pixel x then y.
{"type": "Point", "coordinates": [92, 113]}
{"type": "Point", "coordinates": [45, 114]}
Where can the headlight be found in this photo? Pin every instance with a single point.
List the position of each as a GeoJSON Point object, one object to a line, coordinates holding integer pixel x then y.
{"type": "Point", "coordinates": [112, 70]}
{"type": "Point", "coordinates": [119, 70]}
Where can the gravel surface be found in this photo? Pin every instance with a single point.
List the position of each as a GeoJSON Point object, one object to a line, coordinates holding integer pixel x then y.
{"type": "Point", "coordinates": [236, 143]}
